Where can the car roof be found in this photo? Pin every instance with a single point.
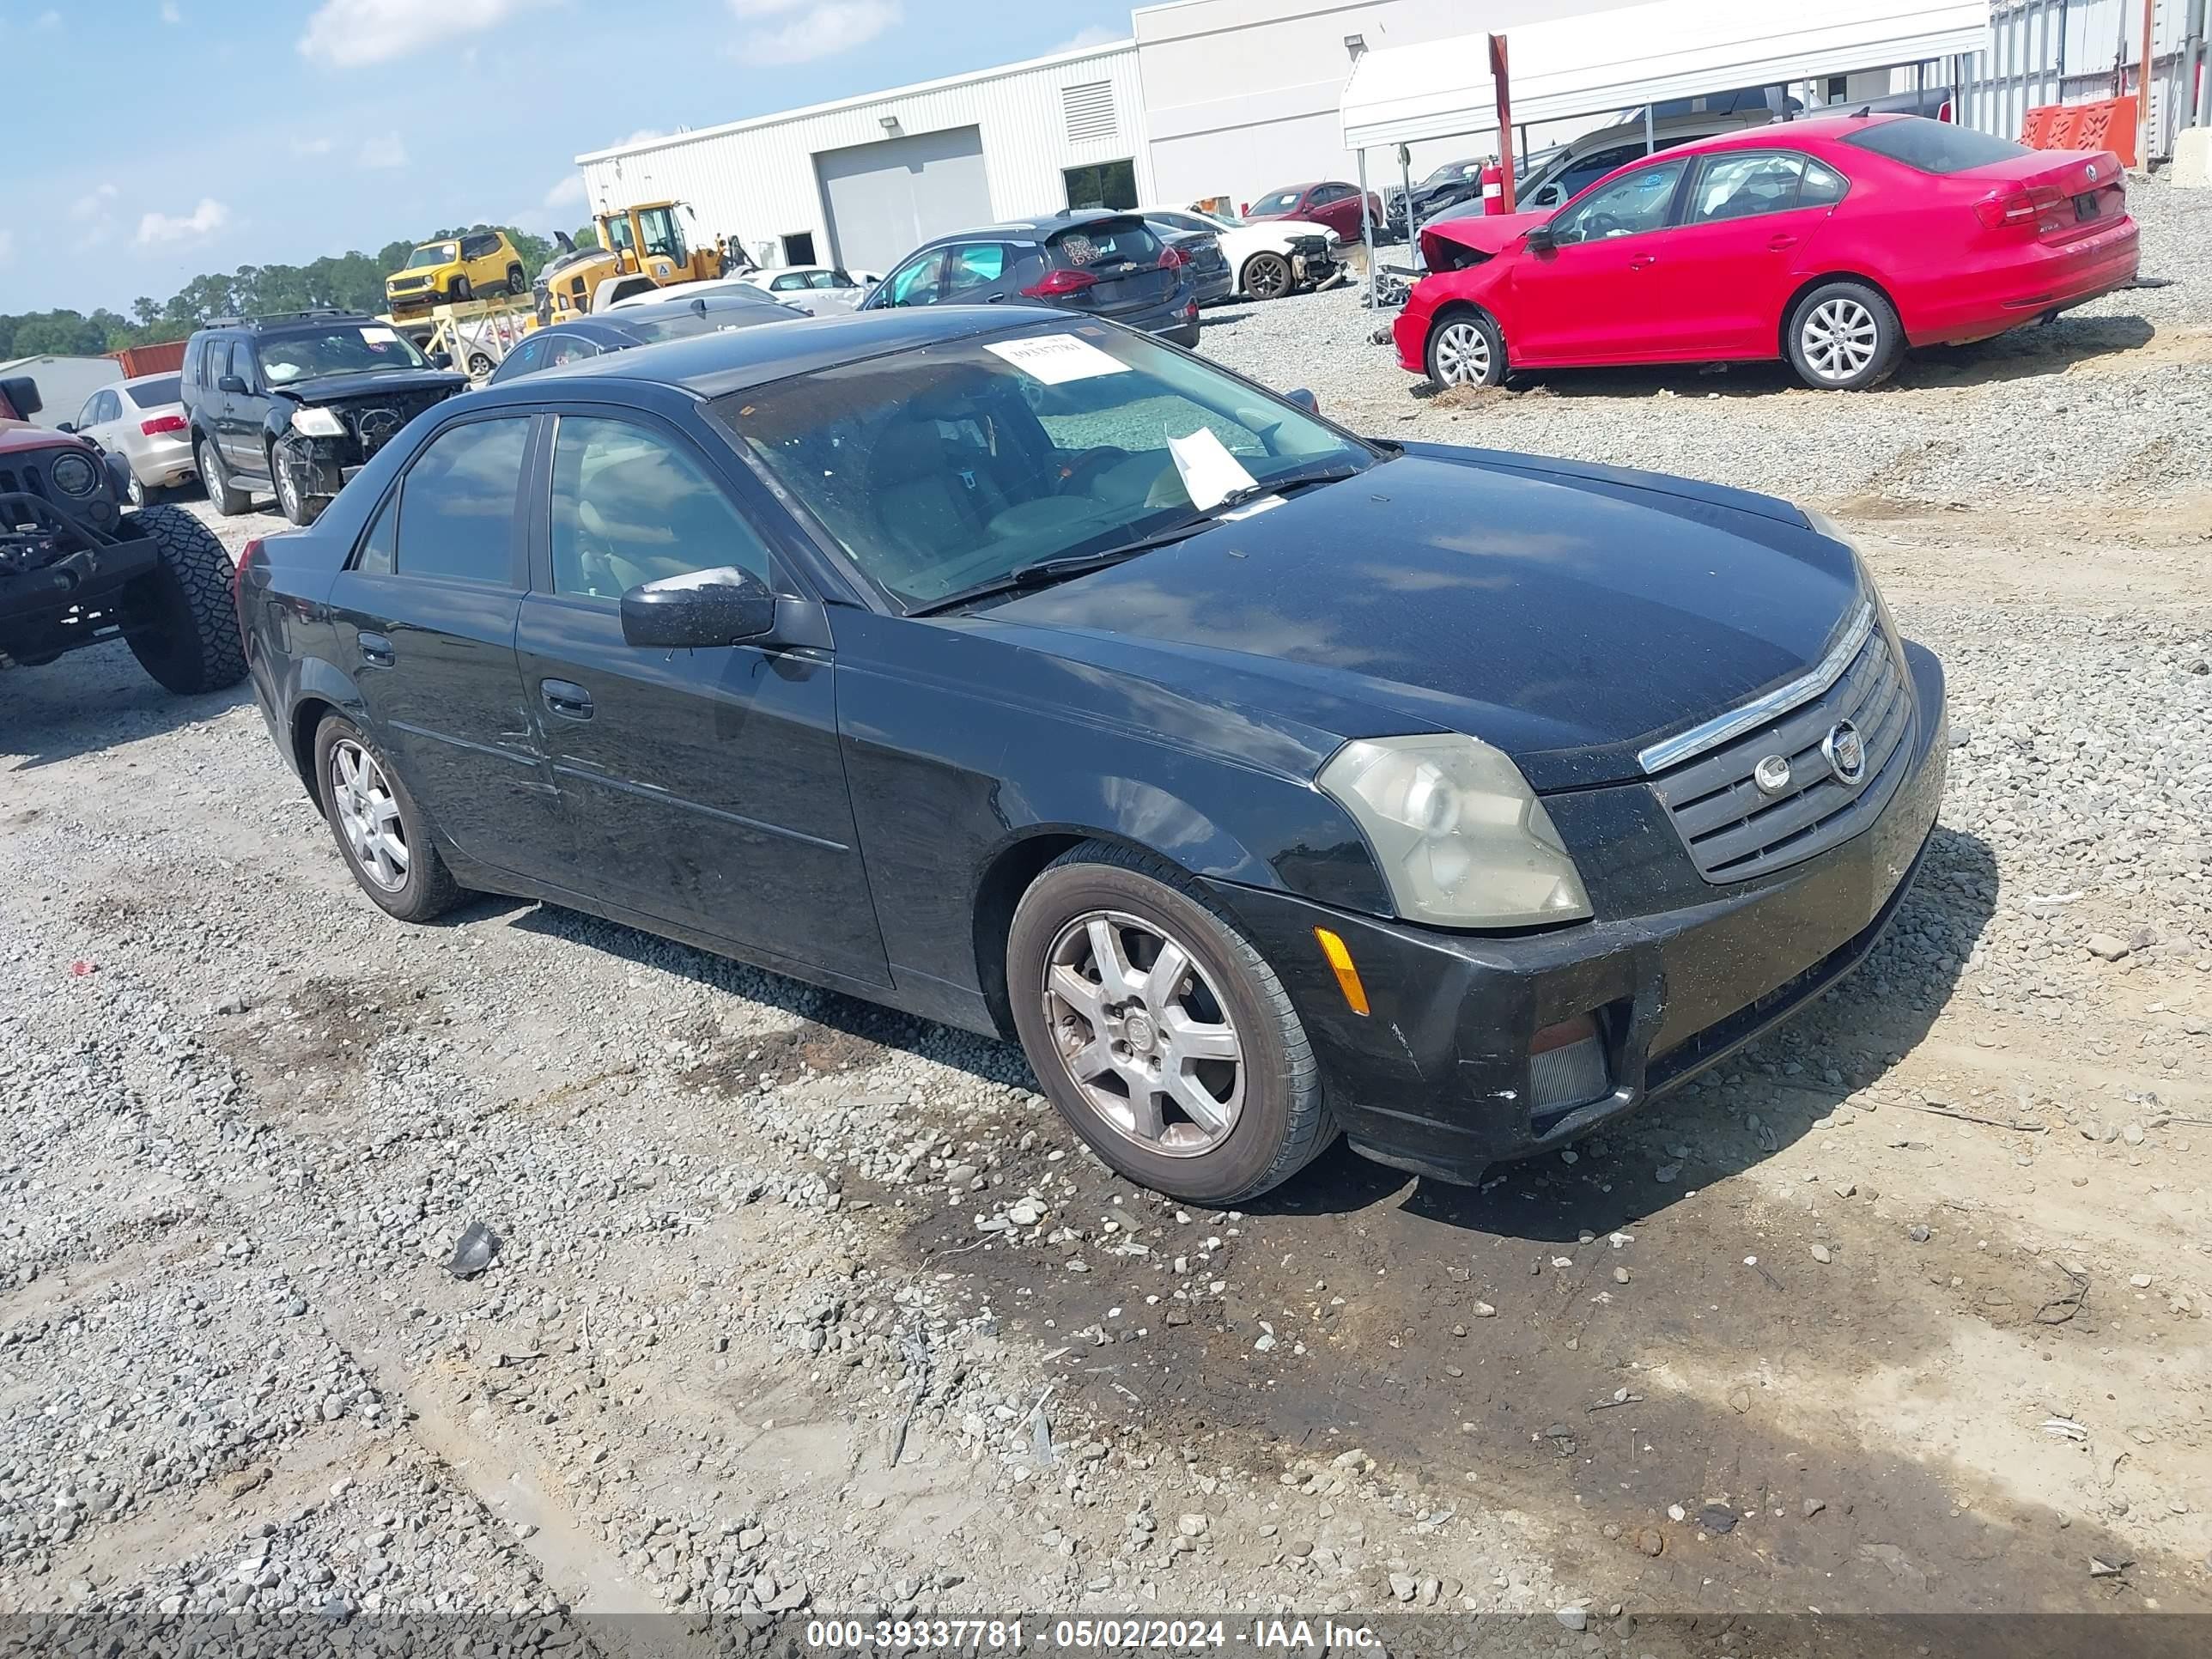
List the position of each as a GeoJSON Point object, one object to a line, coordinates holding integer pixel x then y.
{"type": "Point", "coordinates": [1784, 135]}
{"type": "Point", "coordinates": [1044, 225]}
{"type": "Point", "coordinates": [128, 382]}
{"type": "Point", "coordinates": [707, 304]}
{"type": "Point", "coordinates": [710, 366]}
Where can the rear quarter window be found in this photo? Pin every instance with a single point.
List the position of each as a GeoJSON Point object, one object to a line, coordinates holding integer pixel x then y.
{"type": "Point", "coordinates": [1935, 147]}
{"type": "Point", "coordinates": [1112, 242]}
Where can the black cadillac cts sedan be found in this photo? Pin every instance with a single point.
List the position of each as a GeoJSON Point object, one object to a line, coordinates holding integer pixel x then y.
{"type": "Point", "coordinates": [1022, 672]}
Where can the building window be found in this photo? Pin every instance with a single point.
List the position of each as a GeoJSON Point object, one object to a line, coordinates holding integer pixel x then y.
{"type": "Point", "coordinates": [1103, 185]}
{"type": "Point", "coordinates": [1089, 110]}
{"type": "Point", "coordinates": [799, 248]}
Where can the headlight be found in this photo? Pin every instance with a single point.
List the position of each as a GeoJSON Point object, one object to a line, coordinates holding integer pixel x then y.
{"type": "Point", "coordinates": [1462, 840]}
{"type": "Point", "coordinates": [74, 474]}
{"type": "Point", "coordinates": [317, 423]}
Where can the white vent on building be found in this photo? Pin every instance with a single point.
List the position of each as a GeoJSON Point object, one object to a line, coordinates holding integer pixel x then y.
{"type": "Point", "coordinates": [1089, 111]}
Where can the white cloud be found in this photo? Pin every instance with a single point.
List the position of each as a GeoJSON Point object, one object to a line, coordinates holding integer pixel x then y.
{"type": "Point", "coordinates": [804, 30]}
{"type": "Point", "coordinates": [170, 15]}
{"type": "Point", "coordinates": [389, 151]}
{"type": "Point", "coordinates": [351, 33]}
{"type": "Point", "coordinates": [93, 205]}
{"type": "Point", "coordinates": [1093, 34]}
{"type": "Point", "coordinates": [310, 147]}
{"type": "Point", "coordinates": [210, 216]}
{"type": "Point", "coordinates": [568, 193]}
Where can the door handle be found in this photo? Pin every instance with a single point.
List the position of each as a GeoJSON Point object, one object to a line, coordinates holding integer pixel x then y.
{"type": "Point", "coordinates": [1778, 242]}
{"type": "Point", "coordinates": [1643, 262]}
{"type": "Point", "coordinates": [377, 649]}
{"type": "Point", "coordinates": [566, 698]}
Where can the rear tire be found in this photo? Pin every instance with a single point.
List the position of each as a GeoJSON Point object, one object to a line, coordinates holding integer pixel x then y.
{"type": "Point", "coordinates": [1844, 336]}
{"type": "Point", "coordinates": [1466, 349]}
{"type": "Point", "coordinates": [228, 499]}
{"type": "Point", "coordinates": [370, 812]}
{"type": "Point", "coordinates": [480, 365]}
{"type": "Point", "coordinates": [518, 282]}
{"type": "Point", "coordinates": [1266, 276]}
{"type": "Point", "coordinates": [178, 618]}
{"type": "Point", "coordinates": [1267, 1117]}
{"type": "Point", "coordinates": [136, 493]}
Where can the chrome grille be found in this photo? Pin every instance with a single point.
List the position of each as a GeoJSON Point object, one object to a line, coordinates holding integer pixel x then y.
{"type": "Point", "coordinates": [1734, 830]}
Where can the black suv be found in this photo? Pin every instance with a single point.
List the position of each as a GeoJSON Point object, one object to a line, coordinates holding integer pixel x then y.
{"type": "Point", "coordinates": [296, 403]}
{"type": "Point", "coordinates": [1097, 262]}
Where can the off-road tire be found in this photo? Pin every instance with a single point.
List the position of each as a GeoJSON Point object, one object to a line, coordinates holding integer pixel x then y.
{"type": "Point", "coordinates": [518, 280]}
{"type": "Point", "coordinates": [227, 498]}
{"type": "Point", "coordinates": [1266, 276]}
{"type": "Point", "coordinates": [1285, 1121]}
{"type": "Point", "coordinates": [1464, 349]}
{"type": "Point", "coordinates": [1888, 345]}
{"type": "Point", "coordinates": [178, 618]}
{"type": "Point", "coordinates": [429, 890]}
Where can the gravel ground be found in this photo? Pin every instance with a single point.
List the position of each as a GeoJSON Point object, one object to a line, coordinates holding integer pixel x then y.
{"type": "Point", "coordinates": [795, 1305]}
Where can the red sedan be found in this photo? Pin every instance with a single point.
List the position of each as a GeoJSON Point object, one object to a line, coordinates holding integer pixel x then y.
{"type": "Point", "coordinates": [1834, 243]}
{"type": "Point", "coordinates": [1332, 203]}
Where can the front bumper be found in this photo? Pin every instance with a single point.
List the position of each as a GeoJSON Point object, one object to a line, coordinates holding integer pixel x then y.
{"type": "Point", "coordinates": [1436, 1078]}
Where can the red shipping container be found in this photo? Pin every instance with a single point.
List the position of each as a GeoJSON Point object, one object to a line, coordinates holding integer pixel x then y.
{"type": "Point", "coordinates": [166, 358]}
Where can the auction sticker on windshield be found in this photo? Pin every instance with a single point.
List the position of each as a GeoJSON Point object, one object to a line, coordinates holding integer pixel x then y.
{"type": "Point", "coordinates": [378, 336]}
{"type": "Point", "coordinates": [1056, 359]}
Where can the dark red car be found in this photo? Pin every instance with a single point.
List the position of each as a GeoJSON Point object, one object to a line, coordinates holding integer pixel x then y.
{"type": "Point", "coordinates": [1835, 244]}
{"type": "Point", "coordinates": [1334, 203]}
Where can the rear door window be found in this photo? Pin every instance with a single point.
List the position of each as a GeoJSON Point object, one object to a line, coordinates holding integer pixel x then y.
{"type": "Point", "coordinates": [1934, 145]}
{"type": "Point", "coordinates": [974, 267]}
{"type": "Point", "coordinates": [1823, 187]}
{"type": "Point", "coordinates": [1745, 183]}
{"type": "Point", "coordinates": [456, 504]}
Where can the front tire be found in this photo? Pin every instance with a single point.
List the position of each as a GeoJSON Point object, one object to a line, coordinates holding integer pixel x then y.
{"type": "Point", "coordinates": [380, 830]}
{"type": "Point", "coordinates": [1844, 336]}
{"type": "Point", "coordinates": [1268, 276]}
{"type": "Point", "coordinates": [177, 619]}
{"type": "Point", "coordinates": [1465, 349]}
{"type": "Point", "coordinates": [228, 499]}
{"type": "Point", "coordinates": [297, 507]}
{"type": "Point", "coordinates": [1158, 1031]}
{"type": "Point", "coordinates": [460, 290]}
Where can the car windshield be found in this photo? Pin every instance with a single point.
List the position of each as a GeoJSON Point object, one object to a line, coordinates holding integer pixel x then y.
{"type": "Point", "coordinates": [1934, 146]}
{"type": "Point", "coordinates": [1281, 201]}
{"type": "Point", "coordinates": [947, 467]}
{"type": "Point", "coordinates": [152, 394]}
{"type": "Point", "coordinates": [1451, 173]}
{"type": "Point", "coordinates": [436, 253]}
{"type": "Point", "coordinates": [342, 349]}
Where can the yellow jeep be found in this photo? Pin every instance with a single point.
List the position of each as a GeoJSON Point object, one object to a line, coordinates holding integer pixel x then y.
{"type": "Point", "coordinates": [457, 268]}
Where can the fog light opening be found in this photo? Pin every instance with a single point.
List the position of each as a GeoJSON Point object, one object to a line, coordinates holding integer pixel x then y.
{"type": "Point", "coordinates": [1567, 1065]}
{"type": "Point", "coordinates": [1347, 975]}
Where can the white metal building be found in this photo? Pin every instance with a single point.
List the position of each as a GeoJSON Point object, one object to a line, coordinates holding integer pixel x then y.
{"type": "Point", "coordinates": [64, 383]}
{"type": "Point", "coordinates": [860, 181]}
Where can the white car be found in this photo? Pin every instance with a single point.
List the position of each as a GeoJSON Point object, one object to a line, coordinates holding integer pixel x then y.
{"type": "Point", "coordinates": [715, 286]}
{"type": "Point", "coordinates": [1266, 260]}
{"type": "Point", "coordinates": [824, 290]}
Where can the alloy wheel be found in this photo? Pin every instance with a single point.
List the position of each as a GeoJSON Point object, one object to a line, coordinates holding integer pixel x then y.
{"type": "Point", "coordinates": [1268, 278]}
{"type": "Point", "coordinates": [1840, 338]}
{"type": "Point", "coordinates": [1463, 355]}
{"type": "Point", "coordinates": [368, 814]}
{"type": "Point", "coordinates": [135, 491]}
{"type": "Point", "coordinates": [1143, 1034]}
{"type": "Point", "coordinates": [287, 491]}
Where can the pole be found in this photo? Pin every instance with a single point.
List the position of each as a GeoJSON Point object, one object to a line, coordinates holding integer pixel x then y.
{"type": "Point", "coordinates": [1406, 189]}
{"type": "Point", "coordinates": [2142, 85]}
{"type": "Point", "coordinates": [1650, 133]}
{"type": "Point", "coordinates": [1366, 234]}
{"type": "Point", "coordinates": [1503, 82]}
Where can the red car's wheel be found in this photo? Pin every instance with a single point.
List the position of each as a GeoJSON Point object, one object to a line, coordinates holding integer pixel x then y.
{"type": "Point", "coordinates": [1844, 336]}
{"type": "Point", "coordinates": [1465, 349]}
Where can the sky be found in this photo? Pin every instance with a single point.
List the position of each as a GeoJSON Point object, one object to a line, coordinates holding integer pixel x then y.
{"type": "Point", "coordinates": [152, 140]}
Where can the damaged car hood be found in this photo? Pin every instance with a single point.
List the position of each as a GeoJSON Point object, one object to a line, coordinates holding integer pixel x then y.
{"type": "Point", "coordinates": [374, 383]}
{"type": "Point", "coordinates": [1484, 234]}
{"type": "Point", "coordinates": [1567, 614]}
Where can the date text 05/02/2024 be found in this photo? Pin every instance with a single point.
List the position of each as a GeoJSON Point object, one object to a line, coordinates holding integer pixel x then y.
{"type": "Point", "coordinates": [1084, 1635]}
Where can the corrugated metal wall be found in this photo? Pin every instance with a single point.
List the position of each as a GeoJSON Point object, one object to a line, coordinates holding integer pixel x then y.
{"type": "Point", "coordinates": [2071, 51]}
{"type": "Point", "coordinates": [757, 180]}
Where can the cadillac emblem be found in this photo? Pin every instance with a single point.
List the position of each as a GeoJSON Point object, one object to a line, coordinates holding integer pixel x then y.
{"type": "Point", "coordinates": [1846, 750]}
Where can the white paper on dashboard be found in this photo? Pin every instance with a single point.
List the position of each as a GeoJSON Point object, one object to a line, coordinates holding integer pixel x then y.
{"type": "Point", "coordinates": [1056, 359]}
{"type": "Point", "coordinates": [1209, 473]}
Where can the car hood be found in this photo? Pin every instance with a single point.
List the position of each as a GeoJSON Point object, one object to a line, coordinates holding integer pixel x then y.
{"type": "Point", "coordinates": [1568, 614]}
{"type": "Point", "coordinates": [1486, 233]}
{"type": "Point", "coordinates": [380, 383]}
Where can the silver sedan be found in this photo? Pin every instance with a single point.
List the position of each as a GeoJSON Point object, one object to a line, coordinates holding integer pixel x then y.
{"type": "Point", "coordinates": [142, 420]}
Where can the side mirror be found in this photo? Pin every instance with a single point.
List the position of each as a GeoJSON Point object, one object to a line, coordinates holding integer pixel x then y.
{"type": "Point", "coordinates": [1539, 240]}
{"type": "Point", "coordinates": [440, 358]}
{"type": "Point", "coordinates": [1304, 399]}
{"type": "Point", "coordinates": [234, 383]}
{"type": "Point", "coordinates": [706, 608]}
{"type": "Point", "coordinates": [66, 426]}
{"type": "Point", "coordinates": [21, 395]}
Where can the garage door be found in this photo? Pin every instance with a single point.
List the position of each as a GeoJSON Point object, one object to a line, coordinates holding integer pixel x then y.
{"type": "Point", "coordinates": [885, 198]}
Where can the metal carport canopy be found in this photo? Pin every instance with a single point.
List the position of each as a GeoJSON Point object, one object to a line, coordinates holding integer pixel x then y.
{"type": "Point", "coordinates": [1601, 62]}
